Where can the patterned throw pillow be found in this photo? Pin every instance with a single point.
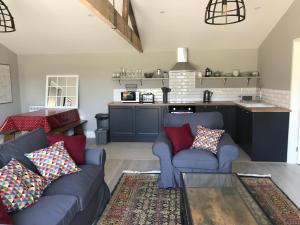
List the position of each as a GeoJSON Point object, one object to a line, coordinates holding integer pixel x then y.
{"type": "Point", "coordinates": [207, 139]}
{"type": "Point", "coordinates": [35, 183]}
{"type": "Point", "coordinates": [53, 162]}
{"type": "Point", "coordinates": [14, 193]}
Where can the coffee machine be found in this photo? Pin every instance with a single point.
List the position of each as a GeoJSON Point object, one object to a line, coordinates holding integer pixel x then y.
{"type": "Point", "coordinates": [165, 91]}
{"type": "Point", "coordinates": [207, 96]}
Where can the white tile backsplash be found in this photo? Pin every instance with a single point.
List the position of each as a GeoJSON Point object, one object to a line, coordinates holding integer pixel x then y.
{"type": "Point", "coordinates": [194, 94]}
{"type": "Point", "coordinates": [276, 97]}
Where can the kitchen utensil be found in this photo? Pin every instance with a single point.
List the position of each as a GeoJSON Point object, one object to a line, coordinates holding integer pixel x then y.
{"type": "Point", "coordinates": [158, 73]}
{"type": "Point", "coordinates": [236, 73]}
{"type": "Point", "coordinates": [148, 75]}
{"type": "Point", "coordinates": [217, 74]}
{"type": "Point", "coordinates": [207, 96]}
{"type": "Point", "coordinates": [208, 72]}
{"type": "Point", "coordinates": [166, 74]}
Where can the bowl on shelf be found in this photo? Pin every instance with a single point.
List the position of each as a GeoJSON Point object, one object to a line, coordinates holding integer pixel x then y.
{"type": "Point", "coordinates": [245, 74]}
{"type": "Point", "coordinates": [148, 75]}
{"type": "Point", "coordinates": [255, 74]}
{"type": "Point", "coordinates": [217, 74]}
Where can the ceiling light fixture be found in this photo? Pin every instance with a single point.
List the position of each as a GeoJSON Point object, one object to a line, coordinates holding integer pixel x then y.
{"type": "Point", "coordinates": [222, 12]}
{"type": "Point", "coordinates": [7, 23]}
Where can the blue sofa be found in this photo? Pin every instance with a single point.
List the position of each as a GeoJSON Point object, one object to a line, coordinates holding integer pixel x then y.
{"type": "Point", "coordinates": [193, 160]}
{"type": "Point", "coordinates": [76, 199]}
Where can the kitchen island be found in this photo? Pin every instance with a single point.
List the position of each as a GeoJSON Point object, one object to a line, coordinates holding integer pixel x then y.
{"type": "Point", "coordinates": [261, 130]}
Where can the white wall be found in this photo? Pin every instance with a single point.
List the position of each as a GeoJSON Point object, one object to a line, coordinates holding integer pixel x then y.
{"type": "Point", "coordinates": [9, 57]}
{"type": "Point", "coordinates": [275, 53]}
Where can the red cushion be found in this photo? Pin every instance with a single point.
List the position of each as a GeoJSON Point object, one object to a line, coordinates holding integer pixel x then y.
{"type": "Point", "coordinates": [75, 145]}
{"type": "Point", "coordinates": [181, 137]}
{"type": "Point", "coordinates": [4, 217]}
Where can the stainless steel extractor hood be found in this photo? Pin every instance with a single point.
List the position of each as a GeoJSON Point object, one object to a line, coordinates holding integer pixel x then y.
{"type": "Point", "coordinates": [182, 61]}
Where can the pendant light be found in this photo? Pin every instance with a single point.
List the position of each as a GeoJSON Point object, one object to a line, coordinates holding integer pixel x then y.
{"type": "Point", "coordinates": [7, 23]}
{"type": "Point", "coordinates": [222, 12]}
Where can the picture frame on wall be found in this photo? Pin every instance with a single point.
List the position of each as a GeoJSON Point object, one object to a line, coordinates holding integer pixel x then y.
{"type": "Point", "coordinates": [5, 84]}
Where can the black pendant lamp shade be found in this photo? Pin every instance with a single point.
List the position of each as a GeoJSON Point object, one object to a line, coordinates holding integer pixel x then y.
{"type": "Point", "coordinates": [222, 12]}
{"type": "Point", "coordinates": [7, 23]}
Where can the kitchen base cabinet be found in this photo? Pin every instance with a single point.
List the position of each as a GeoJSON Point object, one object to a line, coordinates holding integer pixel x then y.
{"type": "Point", "coordinates": [147, 123]}
{"type": "Point", "coordinates": [135, 123]}
{"type": "Point", "coordinates": [122, 123]}
{"type": "Point", "coordinates": [244, 130]}
{"type": "Point", "coordinates": [264, 136]}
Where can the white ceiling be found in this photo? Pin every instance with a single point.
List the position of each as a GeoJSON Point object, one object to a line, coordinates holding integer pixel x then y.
{"type": "Point", "coordinates": [67, 26]}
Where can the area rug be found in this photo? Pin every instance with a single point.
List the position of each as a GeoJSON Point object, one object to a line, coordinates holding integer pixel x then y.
{"type": "Point", "coordinates": [137, 200]}
{"type": "Point", "coordinates": [272, 200]}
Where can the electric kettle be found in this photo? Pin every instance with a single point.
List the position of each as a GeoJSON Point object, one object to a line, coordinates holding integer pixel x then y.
{"type": "Point", "coordinates": [207, 96]}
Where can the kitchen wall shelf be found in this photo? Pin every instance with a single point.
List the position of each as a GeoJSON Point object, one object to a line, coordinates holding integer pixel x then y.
{"type": "Point", "coordinates": [163, 80]}
{"type": "Point", "coordinates": [225, 79]}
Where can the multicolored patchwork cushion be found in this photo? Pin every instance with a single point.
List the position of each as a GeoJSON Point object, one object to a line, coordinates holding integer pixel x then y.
{"type": "Point", "coordinates": [35, 183]}
{"type": "Point", "coordinates": [53, 162]}
{"type": "Point", "coordinates": [207, 139]}
{"type": "Point", "coordinates": [14, 193]}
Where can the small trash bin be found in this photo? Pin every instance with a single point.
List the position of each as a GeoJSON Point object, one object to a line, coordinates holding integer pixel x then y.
{"type": "Point", "coordinates": [102, 120]}
{"type": "Point", "coordinates": [101, 136]}
{"type": "Point", "coordinates": [102, 131]}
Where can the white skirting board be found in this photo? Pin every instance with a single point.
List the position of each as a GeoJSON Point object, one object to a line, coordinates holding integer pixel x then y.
{"type": "Point", "coordinates": [90, 134]}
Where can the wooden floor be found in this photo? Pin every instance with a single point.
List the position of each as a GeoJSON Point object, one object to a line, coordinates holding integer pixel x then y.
{"type": "Point", "coordinates": [138, 157]}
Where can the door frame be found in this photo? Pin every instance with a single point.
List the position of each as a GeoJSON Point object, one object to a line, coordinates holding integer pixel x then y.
{"type": "Point", "coordinates": [294, 124]}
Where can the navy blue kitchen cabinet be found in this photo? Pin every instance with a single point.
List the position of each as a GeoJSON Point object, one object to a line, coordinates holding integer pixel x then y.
{"type": "Point", "coordinates": [135, 122]}
{"type": "Point", "coordinates": [229, 116]}
{"type": "Point", "coordinates": [122, 123]}
{"type": "Point", "coordinates": [244, 130]}
{"type": "Point", "coordinates": [263, 135]}
{"type": "Point", "coordinates": [147, 123]}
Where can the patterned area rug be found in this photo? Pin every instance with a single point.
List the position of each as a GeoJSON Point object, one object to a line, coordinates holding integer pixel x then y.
{"type": "Point", "coordinates": [137, 200]}
{"type": "Point", "coordinates": [276, 205]}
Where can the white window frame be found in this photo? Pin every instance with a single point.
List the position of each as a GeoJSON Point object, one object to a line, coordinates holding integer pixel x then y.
{"type": "Point", "coordinates": [77, 91]}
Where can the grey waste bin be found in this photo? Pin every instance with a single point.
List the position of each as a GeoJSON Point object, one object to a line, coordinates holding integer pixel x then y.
{"type": "Point", "coordinates": [102, 132]}
{"type": "Point", "coordinates": [102, 120]}
{"type": "Point", "coordinates": [101, 136]}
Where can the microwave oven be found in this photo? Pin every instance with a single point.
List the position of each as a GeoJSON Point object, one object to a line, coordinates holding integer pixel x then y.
{"type": "Point", "coordinates": [130, 96]}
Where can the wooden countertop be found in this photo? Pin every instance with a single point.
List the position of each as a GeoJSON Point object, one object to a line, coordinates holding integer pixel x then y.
{"type": "Point", "coordinates": [215, 103]}
{"type": "Point", "coordinates": [264, 109]}
{"type": "Point", "coordinates": [200, 103]}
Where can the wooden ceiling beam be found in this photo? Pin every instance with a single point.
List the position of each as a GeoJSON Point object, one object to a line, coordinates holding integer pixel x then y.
{"type": "Point", "coordinates": [125, 11]}
{"type": "Point", "coordinates": [132, 19]}
{"type": "Point", "coordinates": [106, 12]}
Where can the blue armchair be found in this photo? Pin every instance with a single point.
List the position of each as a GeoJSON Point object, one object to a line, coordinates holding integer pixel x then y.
{"type": "Point", "coordinates": [193, 160]}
